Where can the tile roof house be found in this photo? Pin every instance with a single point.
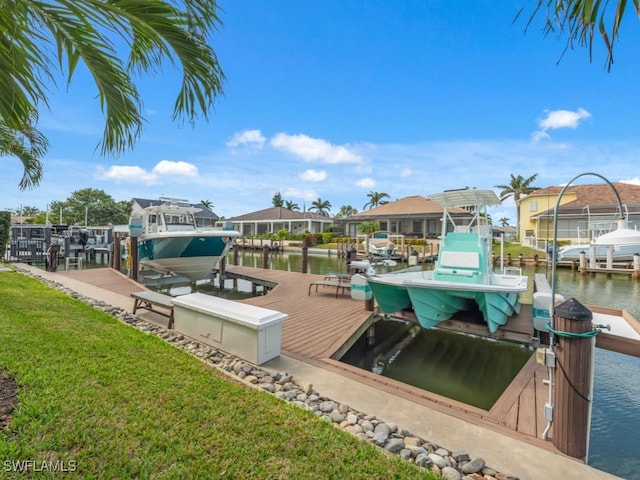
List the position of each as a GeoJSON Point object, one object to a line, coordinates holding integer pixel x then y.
{"type": "Point", "coordinates": [204, 218]}
{"type": "Point", "coordinates": [585, 211]}
{"type": "Point", "coordinates": [270, 220]}
{"type": "Point", "coordinates": [414, 216]}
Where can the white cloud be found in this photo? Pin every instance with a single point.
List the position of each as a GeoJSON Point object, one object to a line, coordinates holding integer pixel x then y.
{"type": "Point", "coordinates": [313, 175]}
{"type": "Point", "coordinates": [633, 181]}
{"type": "Point", "coordinates": [314, 149]}
{"type": "Point", "coordinates": [366, 182]}
{"type": "Point", "coordinates": [247, 138]}
{"type": "Point", "coordinates": [555, 119]}
{"type": "Point", "coordinates": [127, 174]}
{"type": "Point", "coordinates": [406, 172]}
{"type": "Point", "coordinates": [294, 192]}
{"type": "Point", "coordinates": [183, 169]}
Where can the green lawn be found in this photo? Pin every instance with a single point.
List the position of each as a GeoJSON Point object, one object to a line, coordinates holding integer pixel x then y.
{"type": "Point", "coordinates": [120, 403]}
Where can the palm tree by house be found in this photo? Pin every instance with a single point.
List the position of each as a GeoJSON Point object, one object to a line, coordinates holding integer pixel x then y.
{"type": "Point", "coordinates": [291, 205]}
{"type": "Point", "coordinates": [321, 207]}
{"type": "Point", "coordinates": [95, 34]}
{"type": "Point", "coordinates": [504, 221]}
{"type": "Point", "coordinates": [375, 199]}
{"type": "Point", "coordinates": [517, 187]}
{"type": "Point", "coordinates": [207, 204]}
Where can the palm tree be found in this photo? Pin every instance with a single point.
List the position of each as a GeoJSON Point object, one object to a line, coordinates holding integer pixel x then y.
{"type": "Point", "coordinates": [94, 34]}
{"type": "Point", "coordinates": [321, 207]}
{"type": "Point", "coordinates": [207, 204]}
{"type": "Point", "coordinates": [517, 187]}
{"type": "Point", "coordinates": [28, 145]}
{"type": "Point", "coordinates": [504, 221]}
{"type": "Point", "coordinates": [580, 20]}
{"type": "Point", "coordinates": [345, 211]}
{"type": "Point", "coordinates": [290, 205]}
{"type": "Point", "coordinates": [375, 199]}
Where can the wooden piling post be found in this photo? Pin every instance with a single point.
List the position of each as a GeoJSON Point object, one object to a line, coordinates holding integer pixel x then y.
{"type": "Point", "coordinates": [236, 252]}
{"type": "Point", "coordinates": [369, 305]}
{"type": "Point", "coordinates": [222, 272]}
{"type": "Point", "coordinates": [133, 251]}
{"type": "Point", "coordinates": [636, 265]}
{"type": "Point", "coordinates": [305, 251]}
{"type": "Point", "coordinates": [583, 263]}
{"type": "Point", "coordinates": [265, 256]}
{"type": "Point", "coordinates": [116, 255]}
{"type": "Point", "coordinates": [572, 379]}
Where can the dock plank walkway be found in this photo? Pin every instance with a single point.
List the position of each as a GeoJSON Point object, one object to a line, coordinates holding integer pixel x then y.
{"type": "Point", "coordinates": [320, 324]}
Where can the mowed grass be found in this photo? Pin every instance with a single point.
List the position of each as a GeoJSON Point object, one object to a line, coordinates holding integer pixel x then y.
{"type": "Point", "coordinates": [124, 404]}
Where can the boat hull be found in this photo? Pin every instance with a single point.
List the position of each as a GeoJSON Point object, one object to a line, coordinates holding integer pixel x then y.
{"type": "Point", "coordinates": [434, 301]}
{"type": "Point", "coordinates": [193, 255]}
{"type": "Point", "coordinates": [390, 297]}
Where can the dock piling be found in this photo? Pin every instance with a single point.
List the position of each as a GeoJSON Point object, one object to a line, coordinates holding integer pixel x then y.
{"type": "Point", "coordinates": [572, 378]}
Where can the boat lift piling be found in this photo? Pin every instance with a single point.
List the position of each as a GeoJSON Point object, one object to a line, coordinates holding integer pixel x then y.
{"type": "Point", "coordinates": [573, 377]}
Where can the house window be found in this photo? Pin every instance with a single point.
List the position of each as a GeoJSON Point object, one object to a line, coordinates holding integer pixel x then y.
{"type": "Point", "coordinates": [417, 226]}
{"type": "Point", "coordinates": [383, 225]}
{"type": "Point", "coordinates": [533, 206]}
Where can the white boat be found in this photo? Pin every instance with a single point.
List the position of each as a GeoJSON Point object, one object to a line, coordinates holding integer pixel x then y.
{"type": "Point", "coordinates": [172, 243]}
{"type": "Point", "coordinates": [383, 245]}
{"type": "Point", "coordinates": [463, 277]}
{"type": "Point", "coordinates": [622, 244]}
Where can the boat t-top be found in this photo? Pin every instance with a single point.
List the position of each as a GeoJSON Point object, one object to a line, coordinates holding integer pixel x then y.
{"type": "Point", "coordinates": [463, 278]}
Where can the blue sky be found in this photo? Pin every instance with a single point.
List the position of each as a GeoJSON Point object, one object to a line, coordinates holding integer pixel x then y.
{"type": "Point", "coordinates": [335, 99]}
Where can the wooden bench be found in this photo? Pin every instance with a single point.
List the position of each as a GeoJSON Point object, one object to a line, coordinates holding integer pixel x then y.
{"type": "Point", "coordinates": [328, 283]}
{"type": "Point", "coordinates": [146, 300]}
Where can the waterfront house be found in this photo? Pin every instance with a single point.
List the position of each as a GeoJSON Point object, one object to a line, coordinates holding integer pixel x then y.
{"type": "Point", "coordinates": [414, 217]}
{"type": "Point", "coordinates": [585, 212]}
{"type": "Point", "coordinates": [270, 220]}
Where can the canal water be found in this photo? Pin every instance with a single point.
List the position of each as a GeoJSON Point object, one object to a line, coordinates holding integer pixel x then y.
{"type": "Point", "coordinates": [615, 427]}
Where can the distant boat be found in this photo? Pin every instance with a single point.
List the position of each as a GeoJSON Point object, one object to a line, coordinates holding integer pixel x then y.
{"type": "Point", "coordinates": [383, 244]}
{"type": "Point", "coordinates": [172, 243]}
{"type": "Point", "coordinates": [463, 277]}
{"type": "Point", "coordinates": [623, 243]}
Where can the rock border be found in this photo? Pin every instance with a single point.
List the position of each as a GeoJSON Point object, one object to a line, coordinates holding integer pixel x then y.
{"type": "Point", "coordinates": [450, 464]}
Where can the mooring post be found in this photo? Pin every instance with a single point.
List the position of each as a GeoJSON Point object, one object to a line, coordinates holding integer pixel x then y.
{"type": "Point", "coordinates": [583, 263]}
{"type": "Point", "coordinates": [265, 257]}
{"type": "Point", "coordinates": [636, 265]}
{"type": "Point", "coordinates": [116, 254]}
{"type": "Point", "coordinates": [369, 305]}
{"type": "Point", "coordinates": [305, 251]}
{"type": "Point", "coordinates": [222, 273]}
{"type": "Point", "coordinates": [133, 251]}
{"type": "Point", "coordinates": [572, 379]}
{"type": "Point", "coordinates": [236, 252]}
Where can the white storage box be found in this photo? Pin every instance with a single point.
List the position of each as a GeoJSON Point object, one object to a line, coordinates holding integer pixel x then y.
{"type": "Point", "coordinates": [250, 332]}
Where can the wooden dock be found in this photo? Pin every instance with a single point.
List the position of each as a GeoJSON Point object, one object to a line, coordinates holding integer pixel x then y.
{"type": "Point", "coordinates": [319, 325]}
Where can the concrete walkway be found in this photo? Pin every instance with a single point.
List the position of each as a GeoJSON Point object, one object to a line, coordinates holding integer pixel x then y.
{"type": "Point", "coordinates": [501, 452]}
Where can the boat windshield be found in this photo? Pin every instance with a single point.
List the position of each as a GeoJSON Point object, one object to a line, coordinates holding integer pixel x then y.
{"type": "Point", "coordinates": [181, 221]}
